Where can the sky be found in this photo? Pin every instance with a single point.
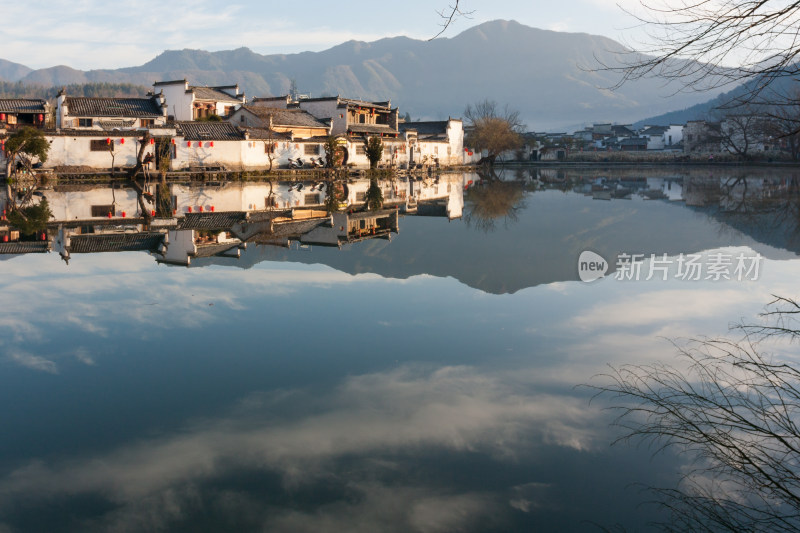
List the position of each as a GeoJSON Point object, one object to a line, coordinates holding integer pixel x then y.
{"type": "Point", "coordinates": [92, 34]}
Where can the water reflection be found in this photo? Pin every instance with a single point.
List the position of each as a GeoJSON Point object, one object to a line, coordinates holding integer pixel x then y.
{"type": "Point", "coordinates": [307, 374]}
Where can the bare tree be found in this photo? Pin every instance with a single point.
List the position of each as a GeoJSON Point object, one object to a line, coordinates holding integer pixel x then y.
{"type": "Point", "coordinates": [711, 43]}
{"type": "Point", "coordinates": [448, 15]}
{"type": "Point", "coordinates": [492, 129]}
{"type": "Point", "coordinates": [735, 413]}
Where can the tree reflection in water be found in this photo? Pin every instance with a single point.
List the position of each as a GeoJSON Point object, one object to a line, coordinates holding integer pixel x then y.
{"type": "Point", "coordinates": [492, 199]}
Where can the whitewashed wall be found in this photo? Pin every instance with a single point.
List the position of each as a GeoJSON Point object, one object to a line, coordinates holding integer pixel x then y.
{"type": "Point", "coordinates": [72, 151]}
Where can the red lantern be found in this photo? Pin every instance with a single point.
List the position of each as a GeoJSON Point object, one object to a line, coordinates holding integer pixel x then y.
{"type": "Point", "coordinates": [189, 209]}
{"type": "Point", "coordinates": [109, 214]}
{"type": "Point", "coordinates": [152, 141]}
{"type": "Point", "coordinates": [211, 144]}
{"type": "Point", "coordinates": [122, 141]}
{"type": "Point", "coordinates": [200, 208]}
{"type": "Point", "coordinates": [41, 117]}
{"type": "Point", "coordinates": [212, 208]}
{"type": "Point", "coordinates": [123, 214]}
{"type": "Point", "coordinates": [5, 238]}
{"type": "Point", "coordinates": [199, 144]}
{"type": "Point", "coordinates": [3, 117]}
{"type": "Point", "coordinates": [108, 140]}
{"type": "Point", "coordinates": [189, 144]}
{"type": "Point", "coordinates": [153, 213]}
{"type": "Point", "coordinates": [44, 236]}
{"type": "Point", "coordinates": [173, 142]}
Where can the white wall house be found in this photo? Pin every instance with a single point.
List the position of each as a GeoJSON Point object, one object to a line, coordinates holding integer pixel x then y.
{"type": "Point", "coordinates": [108, 114]}
{"type": "Point", "coordinates": [673, 135]}
{"type": "Point", "coordinates": [188, 102]}
{"type": "Point", "coordinates": [93, 148]}
{"type": "Point", "coordinates": [437, 141]}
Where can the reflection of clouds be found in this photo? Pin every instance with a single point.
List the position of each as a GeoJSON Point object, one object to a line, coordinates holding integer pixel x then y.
{"type": "Point", "coordinates": [129, 290]}
{"type": "Point", "coordinates": [658, 307]}
{"type": "Point", "coordinates": [402, 411]}
{"type": "Point", "coordinates": [33, 362]}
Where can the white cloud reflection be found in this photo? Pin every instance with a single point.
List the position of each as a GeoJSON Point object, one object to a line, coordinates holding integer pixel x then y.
{"type": "Point", "coordinates": [408, 410]}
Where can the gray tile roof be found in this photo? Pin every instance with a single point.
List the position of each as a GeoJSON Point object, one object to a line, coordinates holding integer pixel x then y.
{"type": "Point", "coordinates": [285, 117]}
{"type": "Point", "coordinates": [21, 105]}
{"type": "Point", "coordinates": [438, 127]}
{"type": "Point", "coordinates": [115, 242]}
{"type": "Point", "coordinates": [79, 106]}
{"type": "Point", "coordinates": [23, 247]}
{"type": "Point", "coordinates": [264, 134]}
{"type": "Point", "coordinates": [209, 131]}
{"type": "Point", "coordinates": [371, 128]}
{"type": "Point", "coordinates": [210, 250]}
{"type": "Point", "coordinates": [211, 221]}
{"type": "Point", "coordinates": [212, 93]}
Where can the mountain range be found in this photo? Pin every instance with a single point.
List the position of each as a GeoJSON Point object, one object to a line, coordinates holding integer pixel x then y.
{"type": "Point", "coordinates": [551, 78]}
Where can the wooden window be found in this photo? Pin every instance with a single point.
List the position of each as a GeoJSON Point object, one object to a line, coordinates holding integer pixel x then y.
{"type": "Point", "coordinates": [147, 122]}
{"type": "Point", "coordinates": [269, 148]}
{"type": "Point", "coordinates": [85, 122]}
{"type": "Point", "coordinates": [271, 201]}
{"type": "Point", "coordinates": [436, 150]}
{"type": "Point", "coordinates": [99, 145]}
{"type": "Point", "coordinates": [102, 210]}
{"type": "Point", "coordinates": [360, 150]}
{"type": "Point", "coordinates": [312, 199]}
{"type": "Point", "coordinates": [361, 196]}
{"type": "Point", "coordinates": [310, 149]}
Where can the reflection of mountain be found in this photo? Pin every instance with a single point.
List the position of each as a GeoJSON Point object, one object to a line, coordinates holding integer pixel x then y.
{"type": "Point", "coordinates": [542, 246]}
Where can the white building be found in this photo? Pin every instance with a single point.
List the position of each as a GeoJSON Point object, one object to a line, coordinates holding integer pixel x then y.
{"type": "Point", "coordinates": [188, 102]}
{"type": "Point", "coordinates": [108, 114]}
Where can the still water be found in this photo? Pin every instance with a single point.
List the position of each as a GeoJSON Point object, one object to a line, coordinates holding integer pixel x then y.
{"type": "Point", "coordinates": [427, 382]}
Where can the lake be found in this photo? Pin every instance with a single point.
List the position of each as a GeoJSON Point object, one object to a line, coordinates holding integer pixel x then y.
{"type": "Point", "coordinates": [424, 375]}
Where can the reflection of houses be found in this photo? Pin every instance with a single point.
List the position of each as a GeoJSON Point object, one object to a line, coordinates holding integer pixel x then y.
{"type": "Point", "coordinates": [109, 114]}
{"type": "Point", "coordinates": [70, 241]}
{"type": "Point", "coordinates": [201, 235]}
{"type": "Point", "coordinates": [18, 112]}
{"type": "Point", "coordinates": [353, 227]}
{"type": "Point", "coordinates": [188, 102]}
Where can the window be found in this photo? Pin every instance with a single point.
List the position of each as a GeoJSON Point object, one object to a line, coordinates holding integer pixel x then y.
{"type": "Point", "coordinates": [361, 196]}
{"type": "Point", "coordinates": [99, 145]}
{"type": "Point", "coordinates": [360, 150]}
{"type": "Point", "coordinates": [269, 148]}
{"type": "Point", "coordinates": [449, 149]}
{"type": "Point", "coordinates": [312, 199]}
{"type": "Point", "coordinates": [147, 122]}
{"type": "Point", "coordinates": [102, 210]}
{"type": "Point", "coordinates": [271, 201]}
{"type": "Point", "coordinates": [241, 117]}
{"type": "Point", "coordinates": [436, 150]}
{"type": "Point", "coordinates": [386, 151]}
{"type": "Point", "coordinates": [362, 119]}
{"type": "Point", "coordinates": [85, 122]}
{"type": "Point", "coordinates": [310, 149]}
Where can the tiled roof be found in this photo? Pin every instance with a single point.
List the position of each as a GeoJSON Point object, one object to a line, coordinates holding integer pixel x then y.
{"type": "Point", "coordinates": [114, 242]}
{"type": "Point", "coordinates": [209, 131]}
{"type": "Point", "coordinates": [210, 250]}
{"type": "Point", "coordinates": [264, 134]}
{"type": "Point", "coordinates": [21, 105]}
{"type": "Point", "coordinates": [79, 106]}
{"type": "Point", "coordinates": [370, 128]}
{"type": "Point", "coordinates": [654, 130]}
{"type": "Point", "coordinates": [295, 228]}
{"type": "Point", "coordinates": [211, 93]}
{"type": "Point", "coordinates": [362, 103]}
{"type": "Point", "coordinates": [438, 127]}
{"type": "Point", "coordinates": [23, 247]}
{"type": "Point", "coordinates": [285, 117]}
{"type": "Point", "coordinates": [211, 221]}
{"type": "Point", "coordinates": [94, 133]}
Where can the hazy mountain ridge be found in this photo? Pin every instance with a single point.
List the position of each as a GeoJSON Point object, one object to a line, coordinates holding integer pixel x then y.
{"type": "Point", "coordinates": [544, 74]}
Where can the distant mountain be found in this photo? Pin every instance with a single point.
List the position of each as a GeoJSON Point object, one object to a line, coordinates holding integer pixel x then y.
{"type": "Point", "coordinates": [12, 71]}
{"type": "Point", "coordinates": [546, 75]}
{"type": "Point", "coordinates": [778, 89]}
